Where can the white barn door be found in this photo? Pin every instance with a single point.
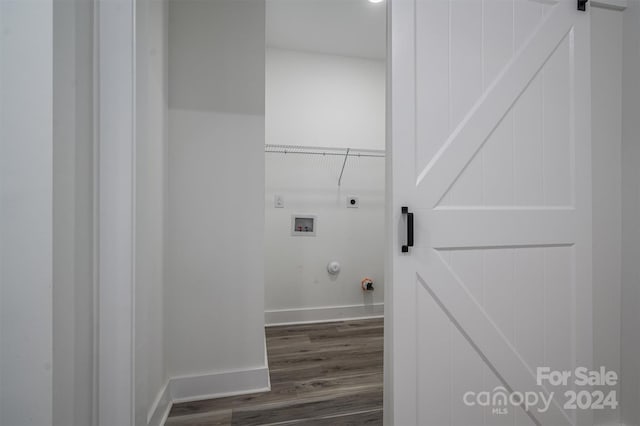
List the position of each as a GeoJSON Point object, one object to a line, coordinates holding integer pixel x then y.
{"type": "Point", "coordinates": [490, 123]}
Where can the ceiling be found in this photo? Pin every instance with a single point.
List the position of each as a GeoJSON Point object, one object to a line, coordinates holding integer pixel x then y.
{"type": "Point", "coordinates": [339, 27]}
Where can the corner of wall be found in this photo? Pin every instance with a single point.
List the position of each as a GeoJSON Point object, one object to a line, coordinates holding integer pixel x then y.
{"type": "Point", "coordinates": [159, 410]}
{"type": "Point", "coordinates": [207, 386]}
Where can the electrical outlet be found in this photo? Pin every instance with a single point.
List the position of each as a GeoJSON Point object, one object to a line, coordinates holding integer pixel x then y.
{"type": "Point", "coordinates": [353, 202]}
{"type": "Point", "coordinates": [278, 201]}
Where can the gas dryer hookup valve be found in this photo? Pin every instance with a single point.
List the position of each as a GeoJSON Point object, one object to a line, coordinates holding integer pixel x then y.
{"type": "Point", "coordinates": [367, 284]}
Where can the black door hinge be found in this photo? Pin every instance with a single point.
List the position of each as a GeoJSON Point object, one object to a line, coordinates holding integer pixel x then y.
{"type": "Point", "coordinates": [582, 5]}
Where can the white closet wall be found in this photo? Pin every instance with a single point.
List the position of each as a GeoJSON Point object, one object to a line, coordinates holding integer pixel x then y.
{"type": "Point", "coordinates": [214, 292]}
{"type": "Point", "coordinates": [324, 100]}
{"type": "Point", "coordinates": [316, 99]}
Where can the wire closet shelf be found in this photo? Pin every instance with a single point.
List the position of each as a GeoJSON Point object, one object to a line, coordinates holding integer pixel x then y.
{"type": "Point", "coordinates": [315, 150]}
{"type": "Point", "coordinates": [324, 151]}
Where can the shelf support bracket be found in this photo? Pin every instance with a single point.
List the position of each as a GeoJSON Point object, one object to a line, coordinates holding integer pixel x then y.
{"type": "Point", "coordinates": [343, 164]}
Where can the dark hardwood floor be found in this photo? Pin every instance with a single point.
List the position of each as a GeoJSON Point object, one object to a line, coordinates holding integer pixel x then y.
{"type": "Point", "coordinates": [321, 374]}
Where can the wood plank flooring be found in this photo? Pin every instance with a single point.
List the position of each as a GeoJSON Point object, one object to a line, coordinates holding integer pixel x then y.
{"type": "Point", "coordinates": [321, 374]}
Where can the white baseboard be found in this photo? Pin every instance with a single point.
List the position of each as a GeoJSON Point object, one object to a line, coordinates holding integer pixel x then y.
{"type": "Point", "coordinates": [323, 314]}
{"type": "Point", "coordinates": [199, 387]}
{"type": "Point", "coordinates": [219, 384]}
{"type": "Point", "coordinates": [206, 386]}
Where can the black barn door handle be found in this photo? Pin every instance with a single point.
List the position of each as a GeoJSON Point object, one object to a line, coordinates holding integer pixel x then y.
{"type": "Point", "coordinates": [405, 210]}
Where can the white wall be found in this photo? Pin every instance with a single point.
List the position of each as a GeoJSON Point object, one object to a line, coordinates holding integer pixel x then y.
{"type": "Point", "coordinates": [26, 157]}
{"type": "Point", "coordinates": [296, 274]}
{"type": "Point", "coordinates": [151, 146]}
{"type": "Point", "coordinates": [214, 290]}
{"type": "Point", "coordinates": [72, 212]}
{"type": "Point", "coordinates": [630, 354]}
{"type": "Point", "coordinates": [324, 100]}
{"type": "Point", "coordinates": [606, 78]}
{"type": "Point", "coordinates": [333, 101]}
{"type": "Point", "coordinates": [216, 60]}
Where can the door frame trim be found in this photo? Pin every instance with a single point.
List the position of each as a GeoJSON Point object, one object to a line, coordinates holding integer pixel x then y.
{"type": "Point", "coordinates": [114, 210]}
